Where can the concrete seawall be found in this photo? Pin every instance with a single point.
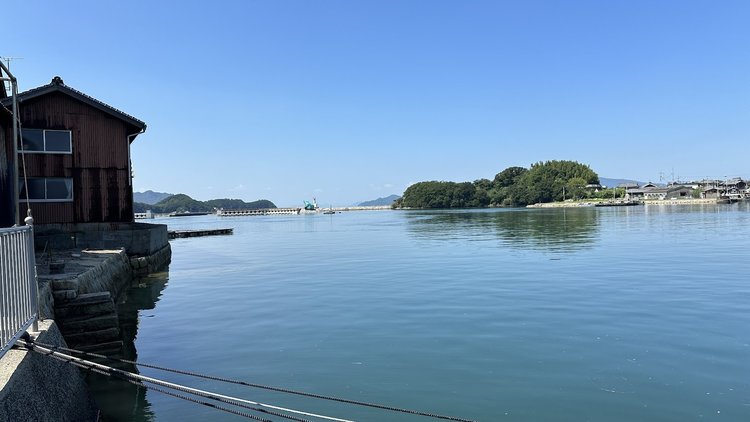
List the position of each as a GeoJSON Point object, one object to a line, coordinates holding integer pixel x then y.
{"type": "Point", "coordinates": [34, 387]}
{"type": "Point", "coordinates": [78, 293]}
{"type": "Point", "coordinates": [82, 298]}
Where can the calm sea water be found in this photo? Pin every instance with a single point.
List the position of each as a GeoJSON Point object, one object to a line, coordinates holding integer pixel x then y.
{"type": "Point", "coordinates": [619, 314]}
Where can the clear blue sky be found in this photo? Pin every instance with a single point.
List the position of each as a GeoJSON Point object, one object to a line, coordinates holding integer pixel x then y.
{"type": "Point", "coordinates": [352, 100]}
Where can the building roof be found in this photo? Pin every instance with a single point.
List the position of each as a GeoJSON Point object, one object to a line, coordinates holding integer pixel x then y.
{"type": "Point", "coordinates": [57, 85]}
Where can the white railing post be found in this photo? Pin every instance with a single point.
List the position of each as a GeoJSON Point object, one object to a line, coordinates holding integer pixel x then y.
{"type": "Point", "coordinates": [34, 288]}
{"type": "Point", "coordinates": [19, 292]}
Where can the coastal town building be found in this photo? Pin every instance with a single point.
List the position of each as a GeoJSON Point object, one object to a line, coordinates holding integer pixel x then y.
{"type": "Point", "coordinates": [733, 189]}
{"type": "Point", "coordinates": [74, 158]}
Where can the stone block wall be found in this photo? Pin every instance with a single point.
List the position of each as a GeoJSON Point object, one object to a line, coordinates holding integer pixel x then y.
{"type": "Point", "coordinates": [144, 265]}
{"type": "Point", "coordinates": [83, 301]}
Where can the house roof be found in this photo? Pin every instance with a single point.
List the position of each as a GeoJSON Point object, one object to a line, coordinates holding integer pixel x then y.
{"type": "Point", "coordinates": [57, 85]}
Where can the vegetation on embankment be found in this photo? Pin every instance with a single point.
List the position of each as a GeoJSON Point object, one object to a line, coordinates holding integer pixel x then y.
{"type": "Point", "coordinates": [184, 203]}
{"type": "Point", "coordinates": [514, 186]}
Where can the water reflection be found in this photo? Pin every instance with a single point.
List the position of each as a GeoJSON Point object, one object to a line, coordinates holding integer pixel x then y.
{"type": "Point", "coordinates": [120, 400]}
{"type": "Point", "coordinates": [557, 230]}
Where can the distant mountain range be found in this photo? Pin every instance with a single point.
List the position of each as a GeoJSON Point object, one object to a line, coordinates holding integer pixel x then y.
{"type": "Point", "coordinates": [150, 197]}
{"type": "Point", "coordinates": [184, 203]}
{"type": "Point", "coordinates": [388, 200]}
{"type": "Point", "coordinates": [610, 183]}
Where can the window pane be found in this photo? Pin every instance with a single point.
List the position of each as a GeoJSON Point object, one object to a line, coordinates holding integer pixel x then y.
{"type": "Point", "coordinates": [33, 139]}
{"type": "Point", "coordinates": [57, 140]}
{"type": "Point", "coordinates": [59, 188]}
{"type": "Point", "coordinates": [36, 188]}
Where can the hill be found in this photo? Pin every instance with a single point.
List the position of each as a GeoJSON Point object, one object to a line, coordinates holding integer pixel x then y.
{"type": "Point", "coordinates": [150, 197]}
{"type": "Point", "coordinates": [388, 200]}
{"type": "Point", "coordinates": [604, 181]}
{"type": "Point", "coordinates": [184, 203]}
{"type": "Point", "coordinates": [238, 204]}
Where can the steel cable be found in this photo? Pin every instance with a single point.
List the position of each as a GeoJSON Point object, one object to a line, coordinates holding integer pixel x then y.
{"type": "Point", "coordinates": [267, 387]}
{"type": "Point", "coordinates": [118, 373]}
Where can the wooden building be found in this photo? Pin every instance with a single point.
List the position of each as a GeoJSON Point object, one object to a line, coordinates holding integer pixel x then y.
{"type": "Point", "coordinates": [77, 157]}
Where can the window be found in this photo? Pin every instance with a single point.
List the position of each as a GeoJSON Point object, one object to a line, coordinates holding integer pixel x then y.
{"type": "Point", "coordinates": [46, 141]}
{"type": "Point", "coordinates": [46, 189]}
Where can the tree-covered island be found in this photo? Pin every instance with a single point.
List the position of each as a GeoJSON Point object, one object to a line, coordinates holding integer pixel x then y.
{"type": "Point", "coordinates": [513, 187]}
{"type": "Point", "coordinates": [184, 203]}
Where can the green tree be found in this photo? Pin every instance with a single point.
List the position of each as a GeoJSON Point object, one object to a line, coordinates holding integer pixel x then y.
{"type": "Point", "coordinates": [576, 188]}
{"type": "Point", "coordinates": [508, 177]}
{"type": "Point", "coordinates": [435, 194]}
{"type": "Point", "coordinates": [545, 180]}
{"type": "Point", "coordinates": [485, 184]}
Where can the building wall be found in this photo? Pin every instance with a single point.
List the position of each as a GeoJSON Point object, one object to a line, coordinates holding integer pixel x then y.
{"type": "Point", "coordinates": [98, 164]}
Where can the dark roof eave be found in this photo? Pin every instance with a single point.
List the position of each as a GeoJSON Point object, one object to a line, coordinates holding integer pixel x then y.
{"type": "Point", "coordinates": [136, 132]}
{"type": "Point", "coordinates": [80, 96]}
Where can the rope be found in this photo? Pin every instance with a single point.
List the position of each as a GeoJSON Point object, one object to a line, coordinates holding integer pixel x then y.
{"type": "Point", "coordinates": [265, 387]}
{"type": "Point", "coordinates": [202, 393]}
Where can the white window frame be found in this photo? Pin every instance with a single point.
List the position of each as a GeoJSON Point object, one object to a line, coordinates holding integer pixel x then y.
{"type": "Point", "coordinates": [44, 141]}
{"type": "Point", "coordinates": [23, 199]}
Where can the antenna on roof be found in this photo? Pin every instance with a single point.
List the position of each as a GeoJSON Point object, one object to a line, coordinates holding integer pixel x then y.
{"type": "Point", "coordinates": [7, 61]}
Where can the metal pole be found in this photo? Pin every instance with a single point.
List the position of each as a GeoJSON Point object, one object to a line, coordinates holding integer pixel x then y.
{"type": "Point", "coordinates": [14, 189]}
{"type": "Point", "coordinates": [32, 274]}
{"type": "Point", "coordinates": [14, 176]}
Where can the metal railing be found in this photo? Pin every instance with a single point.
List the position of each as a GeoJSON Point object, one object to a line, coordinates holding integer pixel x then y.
{"type": "Point", "coordinates": [19, 293]}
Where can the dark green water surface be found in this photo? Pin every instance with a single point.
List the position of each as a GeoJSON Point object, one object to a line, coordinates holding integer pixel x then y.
{"type": "Point", "coordinates": [619, 314]}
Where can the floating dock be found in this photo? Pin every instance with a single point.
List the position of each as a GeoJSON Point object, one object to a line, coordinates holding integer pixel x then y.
{"type": "Point", "coordinates": [262, 211]}
{"type": "Point", "coordinates": [188, 214]}
{"type": "Point", "coordinates": [177, 234]}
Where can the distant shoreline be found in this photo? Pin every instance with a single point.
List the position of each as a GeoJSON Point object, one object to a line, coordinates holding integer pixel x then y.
{"type": "Point", "coordinates": [584, 204]}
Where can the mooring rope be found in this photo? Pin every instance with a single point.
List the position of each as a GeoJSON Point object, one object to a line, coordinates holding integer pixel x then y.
{"type": "Point", "coordinates": [261, 386]}
{"type": "Point", "coordinates": [31, 345]}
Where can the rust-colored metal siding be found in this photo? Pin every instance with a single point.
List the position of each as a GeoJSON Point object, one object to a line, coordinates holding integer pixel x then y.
{"type": "Point", "coordinates": [98, 163]}
{"type": "Point", "coordinates": [7, 201]}
{"type": "Point", "coordinates": [50, 212]}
